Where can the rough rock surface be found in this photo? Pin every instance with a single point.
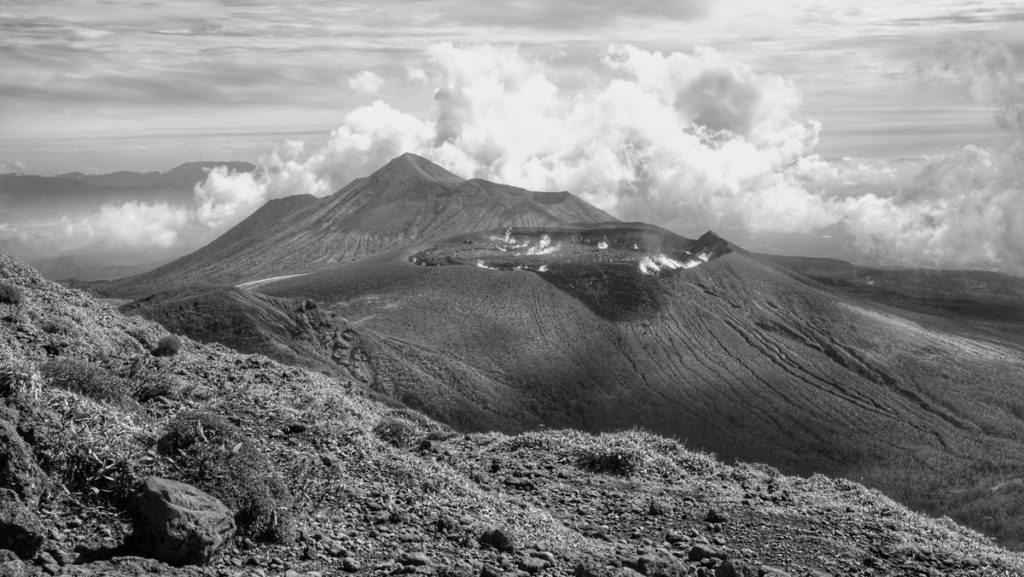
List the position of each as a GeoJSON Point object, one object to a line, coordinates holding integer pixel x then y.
{"type": "Point", "coordinates": [18, 469]}
{"type": "Point", "coordinates": [20, 529]}
{"type": "Point", "coordinates": [179, 524]}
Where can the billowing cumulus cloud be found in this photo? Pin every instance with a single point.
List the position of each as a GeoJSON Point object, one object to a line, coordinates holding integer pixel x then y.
{"type": "Point", "coordinates": [686, 140]}
{"type": "Point", "coordinates": [689, 141]}
{"type": "Point", "coordinates": [224, 195]}
{"type": "Point", "coordinates": [133, 225]}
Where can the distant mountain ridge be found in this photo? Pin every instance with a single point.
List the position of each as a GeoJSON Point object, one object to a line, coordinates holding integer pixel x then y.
{"type": "Point", "coordinates": [409, 200]}
{"type": "Point", "coordinates": [30, 187]}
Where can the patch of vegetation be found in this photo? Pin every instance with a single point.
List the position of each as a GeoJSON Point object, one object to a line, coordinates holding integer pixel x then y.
{"type": "Point", "coordinates": [10, 295]}
{"type": "Point", "coordinates": [156, 387]}
{"type": "Point", "coordinates": [214, 455]}
{"type": "Point", "coordinates": [85, 378]}
{"type": "Point", "coordinates": [397, 432]}
{"type": "Point", "coordinates": [167, 346]}
{"type": "Point", "coordinates": [57, 326]}
{"type": "Point", "coordinates": [85, 472]}
{"type": "Point", "coordinates": [620, 463]}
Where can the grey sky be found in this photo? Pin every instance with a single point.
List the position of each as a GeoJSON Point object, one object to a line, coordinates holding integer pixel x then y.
{"type": "Point", "coordinates": [111, 84]}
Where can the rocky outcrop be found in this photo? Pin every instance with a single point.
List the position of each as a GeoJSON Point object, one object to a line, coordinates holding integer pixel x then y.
{"type": "Point", "coordinates": [18, 469]}
{"type": "Point", "coordinates": [20, 529]}
{"type": "Point", "coordinates": [179, 524]}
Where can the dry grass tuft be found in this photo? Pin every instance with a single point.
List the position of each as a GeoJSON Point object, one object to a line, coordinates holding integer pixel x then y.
{"type": "Point", "coordinates": [214, 455]}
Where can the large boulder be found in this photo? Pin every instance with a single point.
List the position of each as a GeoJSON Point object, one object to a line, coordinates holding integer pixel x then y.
{"type": "Point", "coordinates": [18, 469]}
{"type": "Point", "coordinates": [20, 530]}
{"type": "Point", "coordinates": [179, 524]}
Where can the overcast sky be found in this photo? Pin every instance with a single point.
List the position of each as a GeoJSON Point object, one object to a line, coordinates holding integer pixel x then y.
{"type": "Point", "coordinates": [886, 132]}
{"type": "Point", "coordinates": [106, 85]}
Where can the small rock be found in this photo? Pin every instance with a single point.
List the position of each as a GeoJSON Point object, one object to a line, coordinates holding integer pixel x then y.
{"type": "Point", "coordinates": [734, 568]}
{"type": "Point", "coordinates": [414, 559]}
{"type": "Point", "coordinates": [532, 565]}
{"type": "Point", "coordinates": [179, 524]}
{"type": "Point", "coordinates": [657, 507]}
{"type": "Point", "coordinates": [497, 539]}
{"type": "Point", "coordinates": [446, 525]}
{"type": "Point", "coordinates": [698, 552]}
{"type": "Point", "coordinates": [44, 559]}
{"type": "Point", "coordinates": [294, 429]}
{"type": "Point", "coordinates": [676, 537]}
{"type": "Point", "coordinates": [63, 557]}
{"type": "Point", "coordinates": [716, 516]}
{"type": "Point", "coordinates": [20, 529]}
{"type": "Point", "coordinates": [545, 555]}
{"type": "Point", "coordinates": [350, 565]}
{"type": "Point", "coordinates": [659, 564]}
{"type": "Point", "coordinates": [292, 573]}
{"type": "Point", "coordinates": [334, 549]}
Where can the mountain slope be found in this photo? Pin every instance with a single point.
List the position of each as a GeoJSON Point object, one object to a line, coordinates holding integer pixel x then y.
{"type": "Point", "coordinates": [584, 328]}
{"type": "Point", "coordinates": [293, 331]}
{"type": "Point", "coordinates": [410, 200]}
{"type": "Point", "coordinates": [373, 490]}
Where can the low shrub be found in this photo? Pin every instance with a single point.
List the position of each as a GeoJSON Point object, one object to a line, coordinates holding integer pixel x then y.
{"type": "Point", "coordinates": [396, 432]}
{"type": "Point", "coordinates": [217, 457]}
{"type": "Point", "coordinates": [195, 429]}
{"type": "Point", "coordinates": [156, 387]}
{"type": "Point", "coordinates": [167, 346]}
{"type": "Point", "coordinates": [85, 378]}
{"type": "Point", "coordinates": [10, 294]}
{"type": "Point", "coordinates": [80, 470]}
{"type": "Point", "coordinates": [56, 326]}
{"type": "Point", "coordinates": [621, 463]}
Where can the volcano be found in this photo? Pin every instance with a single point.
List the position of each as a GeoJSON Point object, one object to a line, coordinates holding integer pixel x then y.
{"type": "Point", "coordinates": [407, 201]}
{"type": "Point", "coordinates": [490, 307]}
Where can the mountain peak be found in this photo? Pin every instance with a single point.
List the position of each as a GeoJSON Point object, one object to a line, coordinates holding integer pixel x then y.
{"type": "Point", "coordinates": [411, 165]}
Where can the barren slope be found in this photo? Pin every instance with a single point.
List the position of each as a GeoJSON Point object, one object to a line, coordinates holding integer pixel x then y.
{"type": "Point", "coordinates": [737, 356]}
{"type": "Point", "coordinates": [371, 490]}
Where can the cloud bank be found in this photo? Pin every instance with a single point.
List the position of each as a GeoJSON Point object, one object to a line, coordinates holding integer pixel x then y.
{"type": "Point", "coordinates": [131, 225]}
{"type": "Point", "coordinates": [683, 139]}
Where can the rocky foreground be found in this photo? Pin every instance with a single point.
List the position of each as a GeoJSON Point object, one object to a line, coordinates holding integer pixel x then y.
{"type": "Point", "coordinates": [124, 451]}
